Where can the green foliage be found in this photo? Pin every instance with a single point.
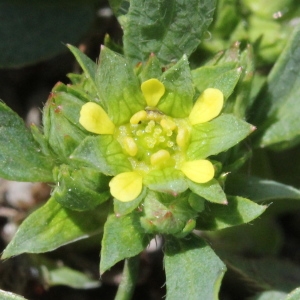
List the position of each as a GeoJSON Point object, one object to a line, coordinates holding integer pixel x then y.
{"type": "Point", "coordinates": [168, 29]}
{"type": "Point", "coordinates": [278, 115]}
{"type": "Point", "coordinates": [52, 226]}
{"type": "Point", "coordinates": [20, 156]}
{"type": "Point", "coordinates": [123, 238]}
{"type": "Point", "coordinates": [186, 261]}
{"type": "Point", "coordinates": [10, 296]}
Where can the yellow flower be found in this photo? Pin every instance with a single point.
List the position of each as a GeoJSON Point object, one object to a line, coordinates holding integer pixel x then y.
{"type": "Point", "coordinates": [154, 141]}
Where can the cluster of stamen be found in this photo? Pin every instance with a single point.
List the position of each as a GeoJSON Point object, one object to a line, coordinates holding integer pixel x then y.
{"type": "Point", "coordinates": [153, 140]}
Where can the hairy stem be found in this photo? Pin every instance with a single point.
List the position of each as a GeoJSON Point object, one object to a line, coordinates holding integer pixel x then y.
{"type": "Point", "coordinates": [129, 278]}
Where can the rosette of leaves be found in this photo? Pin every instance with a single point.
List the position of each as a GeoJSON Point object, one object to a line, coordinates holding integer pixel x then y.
{"type": "Point", "coordinates": [138, 150]}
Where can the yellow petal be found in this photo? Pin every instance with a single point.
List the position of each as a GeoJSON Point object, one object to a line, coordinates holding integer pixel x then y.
{"type": "Point", "coordinates": [208, 106]}
{"type": "Point", "coordinates": [199, 171]}
{"type": "Point", "coordinates": [94, 119]}
{"type": "Point", "coordinates": [126, 186]}
{"type": "Point", "coordinates": [152, 90]}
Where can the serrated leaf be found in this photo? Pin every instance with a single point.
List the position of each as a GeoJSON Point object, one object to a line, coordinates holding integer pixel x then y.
{"type": "Point", "coordinates": [169, 29]}
{"type": "Point", "coordinates": [277, 109]}
{"type": "Point", "coordinates": [118, 87]}
{"type": "Point", "coordinates": [102, 153]}
{"type": "Point", "coordinates": [177, 102]}
{"type": "Point", "coordinates": [52, 226]}
{"type": "Point", "coordinates": [20, 156]}
{"type": "Point", "coordinates": [211, 191]}
{"type": "Point", "coordinates": [123, 238]}
{"type": "Point", "coordinates": [168, 180]}
{"type": "Point", "coordinates": [238, 211]}
{"type": "Point", "coordinates": [258, 189]}
{"type": "Point", "coordinates": [80, 189]}
{"type": "Point", "coordinates": [216, 136]}
{"type": "Point", "coordinates": [10, 296]}
{"type": "Point", "coordinates": [186, 261]}
{"type": "Point", "coordinates": [29, 35]}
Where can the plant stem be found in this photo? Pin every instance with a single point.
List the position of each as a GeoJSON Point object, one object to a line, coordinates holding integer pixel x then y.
{"type": "Point", "coordinates": [129, 278]}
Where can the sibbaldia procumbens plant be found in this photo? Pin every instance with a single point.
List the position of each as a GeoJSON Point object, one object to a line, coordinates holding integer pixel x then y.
{"type": "Point", "coordinates": [140, 145]}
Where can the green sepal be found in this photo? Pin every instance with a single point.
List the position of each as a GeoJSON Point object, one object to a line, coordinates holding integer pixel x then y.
{"type": "Point", "coordinates": [167, 180]}
{"type": "Point", "coordinates": [186, 261]}
{"type": "Point", "coordinates": [240, 101]}
{"type": "Point", "coordinates": [52, 226]}
{"type": "Point", "coordinates": [216, 136]}
{"type": "Point", "coordinates": [123, 238]}
{"type": "Point", "coordinates": [196, 202]}
{"type": "Point", "coordinates": [40, 139]}
{"type": "Point", "coordinates": [20, 156]}
{"type": "Point", "coordinates": [293, 295]}
{"type": "Point", "coordinates": [118, 87]}
{"type": "Point", "coordinates": [177, 101]}
{"type": "Point", "coordinates": [102, 153]}
{"type": "Point", "coordinates": [151, 69]}
{"type": "Point", "coordinates": [61, 127]}
{"type": "Point", "coordinates": [81, 189]}
{"type": "Point", "coordinates": [238, 211]}
{"type": "Point", "coordinates": [211, 191]}
{"type": "Point", "coordinates": [166, 214]}
{"type": "Point", "coordinates": [88, 66]}
{"type": "Point", "coordinates": [124, 208]}
{"type": "Point", "coordinates": [223, 77]}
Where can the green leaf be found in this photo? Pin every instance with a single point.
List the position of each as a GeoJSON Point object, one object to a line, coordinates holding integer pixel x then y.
{"type": "Point", "coordinates": [119, 7]}
{"type": "Point", "coordinates": [177, 101]}
{"type": "Point", "coordinates": [168, 180]}
{"type": "Point", "coordinates": [266, 273]}
{"type": "Point", "coordinates": [29, 34]}
{"type": "Point", "coordinates": [20, 156]}
{"type": "Point", "coordinates": [223, 77]}
{"type": "Point", "coordinates": [123, 238]}
{"type": "Point", "coordinates": [192, 268]}
{"type": "Point", "coordinates": [81, 189]}
{"type": "Point", "coordinates": [54, 274]}
{"type": "Point", "coordinates": [10, 296]}
{"type": "Point", "coordinates": [269, 295]}
{"type": "Point", "coordinates": [164, 213]}
{"type": "Point", "coordinates": [169, 29]}
{"type": "Point", "coordinates": [118, 87]}
{"type": "Point", "coordinates": [258, 189]}
{"type": "Point", "coordinates": [277, 109]}
{"type": "Point", "coordinates": [52, 226]}
{"type": "Point", "coordinates": [211, 191]}
{"type": "Point", "coordinates": [216, 136]}
{"type": "Point", "coordinates": [238, 211]}
{"type": "Point", "coordinates": [102, 153]}
{"type": "Point", "coordinates": [294, 295]}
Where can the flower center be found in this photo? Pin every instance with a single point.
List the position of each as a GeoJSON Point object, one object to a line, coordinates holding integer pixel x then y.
{"type": "Point", "coordinates": [153, 140]}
